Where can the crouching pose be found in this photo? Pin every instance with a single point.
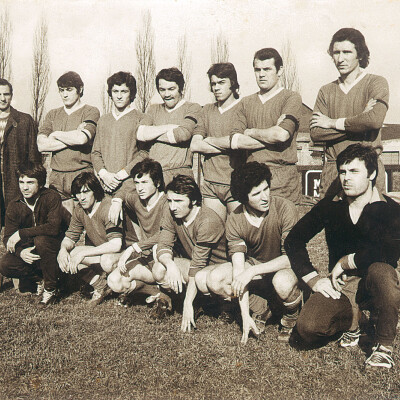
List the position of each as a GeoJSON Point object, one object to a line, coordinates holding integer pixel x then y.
{"type": "Point", "coordinates": [100, 253]}
{"type": "Point", "coordinates": [33, 233]}
{"type": "Point", "coordinates": [256, 231]}
{"type": "Point", "coordinates": [362, 233]}
{"type": "Point", "coordinates": [201, 234]}
{"type": "Point", "coordinates": [148, 202]}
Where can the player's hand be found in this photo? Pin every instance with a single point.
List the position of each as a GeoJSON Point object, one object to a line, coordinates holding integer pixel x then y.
{"type": "Point", "coordinates": [81, 126]}
{"type": "Point", "coordinates": [123, 259]}
{"type": "Point", "coordinates": [281, 119]}
{"type": "Point", "coordinates": [240, 282]}
{"type": "Point", "coordinates": [248, 325]}
{"type": "Point", "coordinates": [337, 276]}
{"type": "Point", "coordinates": [75, 259]}
{"type": "Point", "coordinates": [12, 241]}
{"type": "Point", "coordinates": [324, 286]}
{"type": "Point", "coordinates": [248, 132]}
{"type": "Point", "coordinates": [110, 180]}
{"type": "Point", "coordinates": [115, 212]}
{"type": "Point", "coordinates": [319, 120]}
{"type": "Point", "coordinates": [187, 317]}
{"type": "Point", "coordinates": [370, 105]}
{"type": "Point", "coordinates": [63, 259]}
{"type": "Point", "coordinates": [28, 256]}
{"type": "Point", "coordinates": [174, 278]}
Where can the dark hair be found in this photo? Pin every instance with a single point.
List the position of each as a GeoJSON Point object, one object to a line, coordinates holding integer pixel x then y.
{"type": "Point", "coordinates": [183, 184]}
{"type": "Point", "coordinates": [87, 179]}
{"type": "Point", "coordinates": [171, 75]}
{"type": "Point", "coordinates": [364, 153]}
{"type": "Point", "coordinates": [119, 78]}
{"type": "Point", "coordinates": [225, 70]}
{"type": "Point", "coordinates": [268, 53]}
{"type": "Point", "coordinates": [151, 167]}
{"type": "Point", "coordinates": [4, 82]}
{"type": "Point", "coordinates": [248, 176]}
{"type": "Point", "coordinates": [357, 38]}
{"type": "Point", "coordinates": [71, 79]}
{"type": "Point", "coordinates": [33, 170]}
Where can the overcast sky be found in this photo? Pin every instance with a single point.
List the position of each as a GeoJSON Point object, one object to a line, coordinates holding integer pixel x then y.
{"type": "Point", "coordinates": [93, 37]}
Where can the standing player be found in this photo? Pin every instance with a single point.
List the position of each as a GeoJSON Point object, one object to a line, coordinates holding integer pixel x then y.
{"type": "Point", "coordinates": [103, 239]}
{"type": "Point", "coordinates": [362, 232]}
{"type": "Point", "coordinates": [115, 149]}
{"type": "Point", "coordinates": [149, 203]}
{"type": "Point", "coordinates": [68, 133]}
{"type": "Point", "coordinates": [17, 145]}
{"type": "Point", "coordinates": [351, 109]}
{"type": "Point", "coordinates": [201, 234]}
{"type": "Point", "coordinates": [212, 137]}
{"type": "Point", "coordinates": [256, 231]}
{"type": "Point", "coordinates": [169, 126]}
{"type": "Point", "coordinates": [271, 122]}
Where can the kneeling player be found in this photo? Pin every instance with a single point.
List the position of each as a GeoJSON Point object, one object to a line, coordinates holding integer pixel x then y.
{"type": "Point", "coordinates": [148, 202]}
{"type": "Point", "coordinates": [103, 239]}
{"type": "Point", "coordinates": [201, 233]}
{"type": "Point", "coordinates": [256, 231]}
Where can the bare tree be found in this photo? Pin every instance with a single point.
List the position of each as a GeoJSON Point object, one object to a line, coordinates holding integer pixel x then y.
{"type": "Point", "coordinates": [5, 43]}
{"type": "Point", "coordinates": [146, 64]}
{"type": "Point", "coordinates": [40, 70]}
{"type": "Point", "coordinates": [219, 49]}
{"type": "Point", "coordinates": [105, 98]}
{"type": "Point", "coordinates": [290, 77]}
{"type": "Point", "coordinates": [184, 62]}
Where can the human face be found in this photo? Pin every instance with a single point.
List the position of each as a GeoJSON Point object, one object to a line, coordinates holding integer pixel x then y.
{"type": "Point", "coordinates": [354, 178]}
{"type": "Point", "coordinates": [345, 57]}
{"type": "Point", "coordinates": [69, 96]}
{"type": "Point", "coordinates": [5, 98]}
{"type": "Point", "coordinates": [120, 95]}
{"type": "Point", "coordinates": [29, 187]}
{"type": "Point", "coordinates": [267, 76]}
{"type": "Point", "coordinates": [221, 87]}
{"type": "Point", "coordinates": [86, 198]}
{"type": "Point", "coordinates": [179, 205]}
{"type": "Point", "coordinates": [145, 186]}
{"type": "Point", "coordinates": [259, 197]}
{"type": "Point", "coordinates": [169, 92]}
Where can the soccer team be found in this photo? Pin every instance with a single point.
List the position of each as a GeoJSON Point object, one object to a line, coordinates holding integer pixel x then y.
{"type": "Point", "coordinates": [125, 181]}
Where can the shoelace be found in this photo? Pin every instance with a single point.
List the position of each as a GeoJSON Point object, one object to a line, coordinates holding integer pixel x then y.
{"type": "Point", "coordinates": [47, 296]}
{"type": "Point", "coordinates": [379, 356]}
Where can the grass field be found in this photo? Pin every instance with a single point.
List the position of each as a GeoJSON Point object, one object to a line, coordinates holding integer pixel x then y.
{"type": "Point", "coordinates": [70, 351]}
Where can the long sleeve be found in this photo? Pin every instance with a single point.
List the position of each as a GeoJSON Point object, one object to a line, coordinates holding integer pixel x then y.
{"type": "Point", "coordinates": [185, 130]}
{"type": "Point", "coordinates": [167, 235]}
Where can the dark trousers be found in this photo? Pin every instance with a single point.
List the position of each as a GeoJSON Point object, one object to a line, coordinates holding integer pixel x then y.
{"type": "Point", "coordinates": [378, 290]}
{"type": "Point", "coordinates": [47, 248]}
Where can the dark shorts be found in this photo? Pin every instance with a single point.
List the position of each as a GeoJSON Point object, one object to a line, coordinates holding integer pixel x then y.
{"type": "Point", "coordinates": [212, 190]}
{"type": "Point", "coordinates": [61, 181]}
{"type": "Point", "coordinates": [169, 174]}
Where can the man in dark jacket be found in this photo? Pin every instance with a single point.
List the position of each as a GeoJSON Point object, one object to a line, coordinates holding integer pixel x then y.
{"type": "Point", "coordinates": [18, 134]}
{"type": "Point", "coordinates": [362, 233]}
{"type": "Point", "coordinates": [33, 232]}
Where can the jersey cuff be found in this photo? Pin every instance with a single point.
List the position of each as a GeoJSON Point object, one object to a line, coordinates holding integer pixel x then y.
{"type": "Point", "coordinates": [140, 133]}
{"type": "Point", "coordinates": [234, 141]}
{"type": "Point", "coordinates": [339, 125]}
{"type": "Point", "coordinates": [171, 136]}
{"type": "Point", "coordinates": [350, 261]}
{"type": "Point", "coordinates": [308, 277]}
{"type": "Point", "coordinates": [136, 247]}
{"type": "Point", "coordinates": [87, 133]}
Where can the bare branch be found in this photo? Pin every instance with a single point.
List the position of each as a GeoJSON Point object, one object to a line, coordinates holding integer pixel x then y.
{"type": "Point", "coordinates": [146, 64]}
{"type": "Point", "coordinates": [184, 63]}
{"type": "Point", "coordinates": [40, 80]}
{"type": "Point", "coordinates": [105, 98]}
{"type": "Point", "coordinates": [290, 77]}
{"type": "Point", "coordinates": [5, 43]}
{"type": "Point", "coordinates": [219, 49]}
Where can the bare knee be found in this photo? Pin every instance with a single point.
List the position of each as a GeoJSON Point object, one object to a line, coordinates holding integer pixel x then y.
{"type": "Point", "coordinates": [201, 281]}
{"type": "Point", "coordinates": [108, 262]}
{"type": "Point", "coordinates": [158, 272]}
{"type": "Point", "coordinates": [285, 284]}
{"type": "Point", "coordinates": [217, 282]}
{"type": "Point", "coordinates": [114, 281]}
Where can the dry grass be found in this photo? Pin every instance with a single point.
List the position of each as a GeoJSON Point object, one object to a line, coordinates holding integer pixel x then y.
{"type": "Point", "coordinates": [70, 351]}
